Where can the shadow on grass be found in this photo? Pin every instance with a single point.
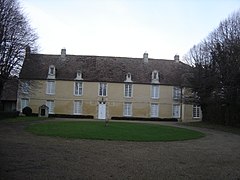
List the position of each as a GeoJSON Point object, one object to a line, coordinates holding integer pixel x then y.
{"type": "Point", "coordinates": [230, 129]}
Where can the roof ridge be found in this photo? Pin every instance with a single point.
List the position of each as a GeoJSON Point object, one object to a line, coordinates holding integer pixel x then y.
{"type": "Point", "coordinates": [97, 56]}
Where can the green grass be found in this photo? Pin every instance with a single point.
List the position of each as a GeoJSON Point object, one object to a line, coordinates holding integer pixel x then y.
{"type": "Point", "coordinates": [119, 131]}
{"type": "Point", "coordinates": [23, 119]}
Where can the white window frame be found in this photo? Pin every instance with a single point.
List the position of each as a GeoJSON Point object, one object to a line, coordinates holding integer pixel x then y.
{"type": "Point", "coordinates": [154, 110]}
{"type": "Point", "coordinates": [155, 91]}
{"type": "Point", "coordinates": [176, 92]}
{"type": "Point", "coordinates": [196, 111]}
{"type": "Point", "coordinates": [25, 87]}
{"type": "Point", "coordinates": [127, 109]}
{"type": "Point", "coordinates": [79, 75]}
{"type": "Point", "coordinates": [51, 72]}
{"type": "Point", "coordinates": [24, 103]}
{"type": "Point", "coordinates": [102, 86]}
{"type": "Point", "coordinates": [77, 107]}
{"type": "Point", "coordinates": [50, 87]}
{"type": "Point", "coordinates": [128, 78]}
{"type": "Point", "coordinates": [51, 105]}
{"type": "Point", "coordinates": [174, 109]}
{"type": "Point", "coordinates": [155, 76]}
{"type": "Point", "coordinates": [128, 90]}
{"type": "Point", "coordinates": [78, 88]}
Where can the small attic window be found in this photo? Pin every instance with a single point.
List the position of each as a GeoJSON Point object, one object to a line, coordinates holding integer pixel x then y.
{"type": "Point", "coordinates": [155, 76]}
{"type": "Point", "coordinates": [51, 72]}
{"type": "Point", "coordinates": [79, 75]}
{"type": "Point", "coordinates": [128, 77]}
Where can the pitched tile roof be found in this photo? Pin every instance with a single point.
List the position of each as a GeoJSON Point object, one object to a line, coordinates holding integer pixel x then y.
{"type": "Point", "coordinates": [104, 69]}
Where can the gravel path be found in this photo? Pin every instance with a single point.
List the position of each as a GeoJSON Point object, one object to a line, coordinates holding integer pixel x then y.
{"type": "Point", "coordinates": [26, 156]}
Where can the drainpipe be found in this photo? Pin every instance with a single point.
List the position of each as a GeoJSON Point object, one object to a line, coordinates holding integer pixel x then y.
{"type": "Point", "coordinates": [181, 100]}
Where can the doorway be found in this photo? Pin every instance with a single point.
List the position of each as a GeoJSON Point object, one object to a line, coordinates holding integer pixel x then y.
{"type": "Point", "coordinates": [102, 110]}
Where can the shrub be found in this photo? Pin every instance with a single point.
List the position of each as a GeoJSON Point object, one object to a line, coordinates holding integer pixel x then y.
{"type": "Point", "coordinates": [27, 111]}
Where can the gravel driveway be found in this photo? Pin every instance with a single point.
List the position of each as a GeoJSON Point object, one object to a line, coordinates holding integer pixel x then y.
{"type": "Point", "coordinates": [26, 156]}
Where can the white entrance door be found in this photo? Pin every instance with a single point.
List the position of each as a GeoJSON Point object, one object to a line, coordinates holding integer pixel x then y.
{"type": "Point", "coordinates": [102, 110]}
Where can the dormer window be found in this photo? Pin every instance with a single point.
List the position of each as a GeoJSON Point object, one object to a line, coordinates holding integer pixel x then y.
{"type": "Point", "coordinates": [51, 72]}
{"type": "Point", "coordinates": [155, 77]}
{"type": "Point", "coordinates": [128, 77]}
{"type": "Point", "coordinates": [79, 75]}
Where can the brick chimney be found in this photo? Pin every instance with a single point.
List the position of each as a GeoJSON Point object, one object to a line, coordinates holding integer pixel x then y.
{"type": "Point", "coordinates": [63, 54]}
{"type": "Point", "coordinates": [27, 50]}
{"type": "Point", "coordinates": [176, 58]}
{"type": "Point", "coordinates": [145, 57]}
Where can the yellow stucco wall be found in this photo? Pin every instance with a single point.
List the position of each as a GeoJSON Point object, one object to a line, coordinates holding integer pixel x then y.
{"type": "Point", "coordinates": [141, 100]}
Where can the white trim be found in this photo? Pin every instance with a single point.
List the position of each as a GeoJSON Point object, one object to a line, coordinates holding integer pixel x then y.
{"type": "Point", "coordinates": [176, 91]}
{"type": "Point", "coordinates": [48, 104]}
{"type": "Point", "coordinates": [158, 87]}
{"type": "Point", "coordinates": [75, 110]}
{"type": "Point", "coordinates": [174, 114]}
{"type": "Point", "coordinates": [74, 88]}
{"type": "Point", "coordinates": [128, 89]}
{"type": "Point", "coordinates": [25, 87]}
{"type": "Point", "coordinates": [51, 75]}
{"type": "Point", "coordinates": [50, 90]}
{"type": "Point", "coordinates": [155, 77]}
{"type": "Point", "coordinates": [99, 89]}
{"type": "Point", "coordinates": [79, 75]}
{"type": "Point", "coordinates": [128, 78]}
{"type": "Point", "coordinates": [102, 110]}
{"type": "Point", "coordinates": [152, 113]}
{"type": "Point", "coordinates": [25, 104]}
{"type": "Point", "coordinates": [128, 110]}
{"type": "Point", "coordinates": [198, 111]}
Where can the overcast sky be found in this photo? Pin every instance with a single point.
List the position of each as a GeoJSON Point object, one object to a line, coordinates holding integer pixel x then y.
{"type": "Point", "coordinates": [126, 28]}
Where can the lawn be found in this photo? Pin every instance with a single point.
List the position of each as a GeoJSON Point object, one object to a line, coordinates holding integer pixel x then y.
{"type": "Point", "coordinates": [23, 119]}
{"type": "Point", "coordinates": [119, 131]}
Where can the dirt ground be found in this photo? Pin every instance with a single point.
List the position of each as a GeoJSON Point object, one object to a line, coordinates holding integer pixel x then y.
{"type": "Point", "coordinates": [27, 156]}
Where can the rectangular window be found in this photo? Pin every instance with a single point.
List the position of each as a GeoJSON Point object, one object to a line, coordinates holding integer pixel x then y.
{"type": "Point", "coordinates": [50, 87]}
{"type": "Point", "coordinates": [77, 107]}
{"type": "Point", "coordinates": [25, 87]}
{"type": "Point", "coordinates": [196, 111]}
{"type": "Point", "coordinates": [176, 111]}
{"type": "Point", "coordinates": [50, 105]}
{"type": "Point", "coordinates": [78, 89]}
{"type": "Point", "coordinates": [127, 109]}
{"type": "Point", "coordinates": [102, 89]}
{"type": "Point", "coordinates": [154, 110]}
{"type": "Point", "coordinates": [24, 103]}
{"type": "Point", "coordinates": [155, 92]}
{"type": "Point", "coordinates": [176, 92]}
{"type": "Point", "coordinates": [128, 90]}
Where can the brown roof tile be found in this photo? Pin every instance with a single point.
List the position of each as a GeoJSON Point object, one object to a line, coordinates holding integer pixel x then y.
{"type": "Point", "coordinates": [104, 69]}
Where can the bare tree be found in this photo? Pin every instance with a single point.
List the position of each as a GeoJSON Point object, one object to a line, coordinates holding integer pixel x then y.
{"type": "Point", "coordinates": [15, 36]}
{"type": "Point", "coordinates": [216, 77]}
